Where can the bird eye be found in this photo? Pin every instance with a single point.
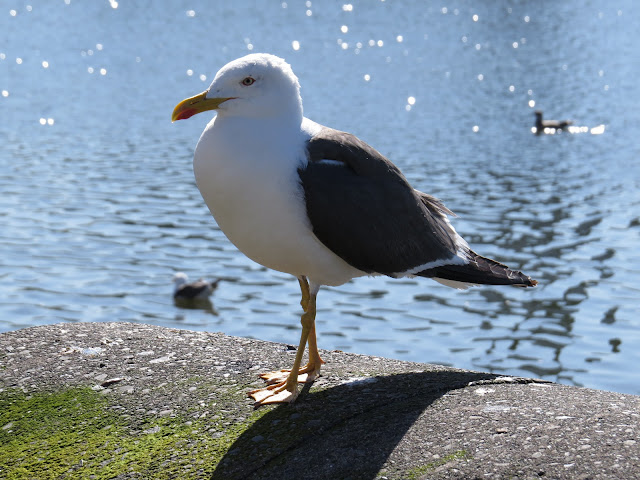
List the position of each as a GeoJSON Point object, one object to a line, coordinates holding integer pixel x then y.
{"type": "Point", "coordinates": [248, 81]}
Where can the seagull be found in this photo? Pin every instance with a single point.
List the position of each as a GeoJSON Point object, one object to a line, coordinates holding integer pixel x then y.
{"type": "Point", "coordinates": [193, 291]}
{"type": "Point", "coordinates": [554, 124]}
{"type": "Point", "coordinates": [317, 203]}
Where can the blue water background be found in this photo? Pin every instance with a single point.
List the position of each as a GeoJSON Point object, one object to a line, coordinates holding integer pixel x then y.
{"type": "Point", "coordinates": [98, 204]}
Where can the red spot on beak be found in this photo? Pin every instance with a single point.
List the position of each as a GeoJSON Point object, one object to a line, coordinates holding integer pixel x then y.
{"type": "Point", "coordinates": [186, 113]}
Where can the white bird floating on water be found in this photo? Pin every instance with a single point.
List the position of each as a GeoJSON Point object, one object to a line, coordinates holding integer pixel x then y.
{"type": "Point", "coordinates": [320, 204]}
{"type": "Point", "coordinates": [183, 290]}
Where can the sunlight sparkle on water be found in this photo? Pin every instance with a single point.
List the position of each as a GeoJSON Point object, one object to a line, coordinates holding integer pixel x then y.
{"type": "Point", "coordinates": [410, 102]}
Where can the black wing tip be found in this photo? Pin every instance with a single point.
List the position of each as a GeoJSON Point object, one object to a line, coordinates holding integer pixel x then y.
{"type": "Point", "coordinates": [530, 282]}
{"type": "Point", "coordinates": [481, 271]}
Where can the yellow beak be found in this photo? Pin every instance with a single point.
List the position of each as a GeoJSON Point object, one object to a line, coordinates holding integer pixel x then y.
{"type": "Point", "coordinates": [197, 104]}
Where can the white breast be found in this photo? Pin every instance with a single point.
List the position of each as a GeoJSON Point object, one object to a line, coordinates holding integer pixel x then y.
{"type": "Point", "coordinates": [247, 173]}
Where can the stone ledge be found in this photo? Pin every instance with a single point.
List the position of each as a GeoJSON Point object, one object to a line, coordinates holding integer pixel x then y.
{"type": "Point", "coordinates": [140, 401]}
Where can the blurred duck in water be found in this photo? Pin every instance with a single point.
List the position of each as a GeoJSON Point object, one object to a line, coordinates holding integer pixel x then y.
{"type": "Point", "coordinates": [192, 291]}
{"type": "Point", "coordinates": [541, 124]}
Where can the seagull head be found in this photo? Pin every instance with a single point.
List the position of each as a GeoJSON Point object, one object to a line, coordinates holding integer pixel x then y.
{"type": "Point", "coordinates": [256, 85]}
{"type": "Point", "coordinates": [179, 279]}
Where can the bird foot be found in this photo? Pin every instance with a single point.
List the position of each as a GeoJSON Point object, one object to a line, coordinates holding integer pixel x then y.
{"type": "Point", "coordinates": [276, 393]}
{"type": "Point", "coordinates": [307, 374]}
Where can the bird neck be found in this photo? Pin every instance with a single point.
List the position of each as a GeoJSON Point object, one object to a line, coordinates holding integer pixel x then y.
{"type": "Point", "coordinates": [266, 125]}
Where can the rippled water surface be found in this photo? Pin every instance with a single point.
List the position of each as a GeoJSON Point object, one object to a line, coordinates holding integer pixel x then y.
{"type": "Point", "coordinates": [99, 207]}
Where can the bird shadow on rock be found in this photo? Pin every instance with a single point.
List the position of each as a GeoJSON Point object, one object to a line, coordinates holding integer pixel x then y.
{"type": "Point", "coordinates": [347, 431]}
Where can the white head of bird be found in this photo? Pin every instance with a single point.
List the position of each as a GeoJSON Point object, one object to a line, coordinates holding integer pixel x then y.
{"type": "Point", "coordinates": [180, 279]}
{"type": "Point", "coordinates": [254, 86]}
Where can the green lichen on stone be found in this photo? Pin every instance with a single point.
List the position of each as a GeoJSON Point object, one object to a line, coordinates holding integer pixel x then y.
{"type": "Point", "coordinates": [75, 433]}
{"type": "Point", "coordinates": [416, 473]}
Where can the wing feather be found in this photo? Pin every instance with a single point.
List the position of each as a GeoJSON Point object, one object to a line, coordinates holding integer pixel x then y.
{"type": "Point", "coordinates": [362, 208]}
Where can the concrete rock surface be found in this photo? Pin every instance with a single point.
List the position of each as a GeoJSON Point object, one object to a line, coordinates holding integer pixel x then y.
{"type": "Point", "coordinates": [364, 418]}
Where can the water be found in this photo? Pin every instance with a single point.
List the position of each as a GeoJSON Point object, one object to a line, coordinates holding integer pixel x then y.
{"type": "Point", "coordinates": [99, 207]}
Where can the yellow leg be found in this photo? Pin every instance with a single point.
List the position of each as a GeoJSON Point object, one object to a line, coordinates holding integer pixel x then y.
{"type": "Point", "coordinates": [287, 390]}
{"type": "Point", "coordinates": [311, 370]}
{"type": "Point", "coordinates": [304, 288]}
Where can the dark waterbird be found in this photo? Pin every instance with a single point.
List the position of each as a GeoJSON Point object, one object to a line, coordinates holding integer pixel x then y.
{"type": "Point", "coordinates": [553, 124]}
{"type": "Point", "coordinates": [192, 291]}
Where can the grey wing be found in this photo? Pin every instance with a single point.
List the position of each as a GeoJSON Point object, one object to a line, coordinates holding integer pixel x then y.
{"type": "Point", "coordinates": [362, 208]}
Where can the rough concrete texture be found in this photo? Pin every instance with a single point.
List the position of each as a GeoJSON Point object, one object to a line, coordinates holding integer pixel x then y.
{"type": "Point", "coordinates": [364, 418]}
